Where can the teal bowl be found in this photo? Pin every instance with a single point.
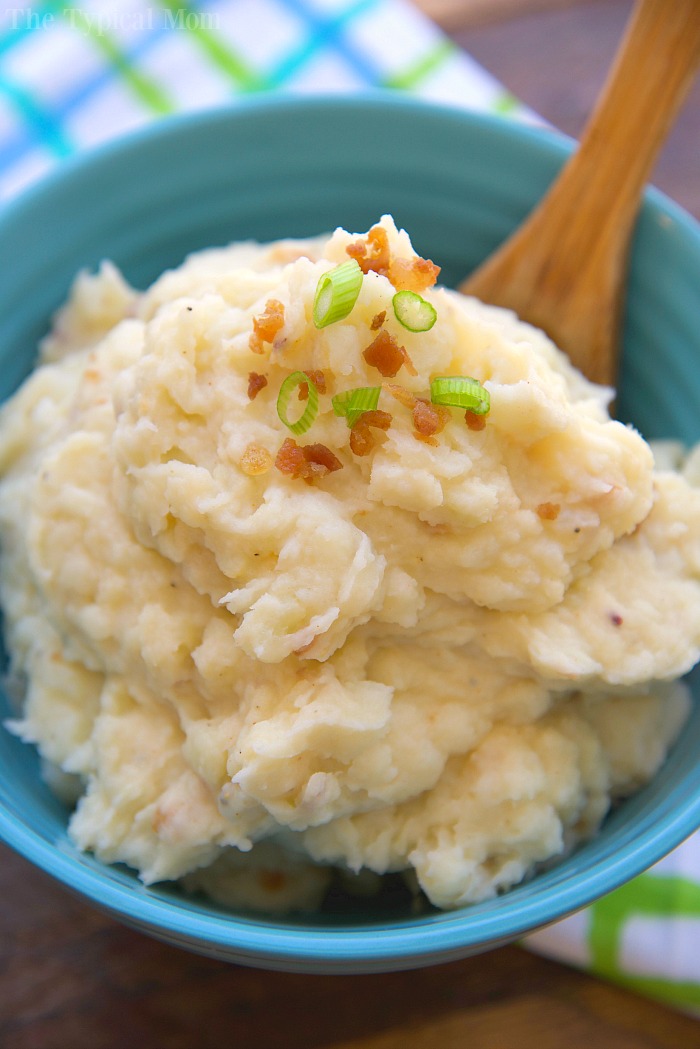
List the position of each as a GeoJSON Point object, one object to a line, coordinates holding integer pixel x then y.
{"type": "Point", "coordinates": [273, 168]}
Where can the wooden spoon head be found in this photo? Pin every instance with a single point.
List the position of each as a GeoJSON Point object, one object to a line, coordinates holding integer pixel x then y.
{"type": "Point", "coordinates": [581, 315]}
{"type": "Point", "coordinates": [565, 268]}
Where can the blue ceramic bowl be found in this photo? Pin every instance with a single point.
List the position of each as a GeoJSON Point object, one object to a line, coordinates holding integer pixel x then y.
{"type": "Point", "coordinates": [269, 169]}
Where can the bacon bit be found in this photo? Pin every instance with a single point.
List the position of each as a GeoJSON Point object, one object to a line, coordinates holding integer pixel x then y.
{"type": "Point", "coordinates": [321, 457]}
{"type": "Point", "coordinates": [376, 417]}
{"type": "Point", "coordinates": [372, 253]}
{"type": "Point", "coordinates": [266, 326]}
{"type": "Point", "coordinates": [319, 381]}
{"type": "Point", "coordinates": [308, 462]}
{"type": "Point", "coordinates": [428, 418]}
{"type": "Point", "coordinates": [362, 440]}
{"type": "Point", "coordinates": [290, 458]}
{"type": "Point", "coordinates": [415, 274]}
{"type": "Point", "coordinates": [474, 421]}
{"type": "Point", "coordinates": [387, 356]}
{"type": "Point", "coordinates": [255, 460]}
{"type": "Point", "coordinates": [616, 619]}
{"type": "Point", "coordinates": [377, 321]}
{"type": "Point", "coordinates": [357, 251]}
{"type": "Point", "coordinates": [256, 383]}
{"type": "Point", "coordinates": [401, 394]}
{"type": "Point", "coordinates": [548, 511]}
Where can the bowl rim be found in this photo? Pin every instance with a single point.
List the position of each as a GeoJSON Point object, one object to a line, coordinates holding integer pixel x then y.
{"type": "Point", "coordinates": [543, 136]}
{"type": "Point", "coordinates": [415, 938]}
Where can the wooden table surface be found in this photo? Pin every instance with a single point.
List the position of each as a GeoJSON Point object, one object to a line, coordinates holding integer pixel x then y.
{"type": "Point", "coordinates": [71, 978]}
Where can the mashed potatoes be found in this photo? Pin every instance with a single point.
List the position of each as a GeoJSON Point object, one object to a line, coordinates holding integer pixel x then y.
{"type": "Point", "coordinates": [445, 648]}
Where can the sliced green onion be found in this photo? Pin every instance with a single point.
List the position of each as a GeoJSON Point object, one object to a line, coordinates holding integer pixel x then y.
{"type": "Point", "coordinates": [459, 391]}
{"type": "Point", "coordinates": [352, 403]}
{"type": "Point", "coordinates": [413, 311]}
{"type": "Point", "coordinates": [310, 411]}
{"type": "Point", "coordinates": [337, 293]}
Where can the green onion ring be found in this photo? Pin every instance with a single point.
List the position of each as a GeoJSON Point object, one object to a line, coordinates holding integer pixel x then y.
{"type": "Point", "coordinates": [413, 312]}
{"type": "Point", "coordinates": [310, 411]}
{"type": "Point", "coordinates": [336, 293]}
{"type": "Point", "coordinates": [353, 403]}
{"type": "Point", "coordinates": [460, 391]}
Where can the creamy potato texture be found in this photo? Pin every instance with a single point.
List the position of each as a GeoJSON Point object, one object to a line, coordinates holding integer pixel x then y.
{"type": "Point", "coordinates": [447, 655]}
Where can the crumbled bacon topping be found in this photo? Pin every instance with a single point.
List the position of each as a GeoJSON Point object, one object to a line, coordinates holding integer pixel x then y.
{"type": "Point", "coordinates": [387, 356]}
{"type": "Point", "coordinates": [474, 421]}
{"type": "Point", "coordinates": [415, 274]}
{"type": "Point", "coordinates": [428, 418]}
{"type": "Point", "coordinates": [290, 458]}
{"type": "Point", "coordinates": [308, 462]}
{"type": "Point", "coordinates": [321, 459]}
{"type": "Point", "coordinates": [377, 321]}
{"type": "Point", "coordinates": [372, 253]}
{"type": "Point", "coordinates": [317, 378]}
{"type": "Point", "coordinates": [362, 440]}
{"type": "Point", "coordinates": [256, 383]}
{"type": "Point", "coordinates": [548, 511]}
{"type": "Point", "coordinates": [401, 394]}
{"type": "Point", "coordinates": [255, 460]}
{"type": "Point", "coordinates": [266, 326]}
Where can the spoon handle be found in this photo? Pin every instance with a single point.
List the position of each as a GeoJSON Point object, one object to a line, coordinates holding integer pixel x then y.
{"type": "Point", "coordinates": [564, 269]}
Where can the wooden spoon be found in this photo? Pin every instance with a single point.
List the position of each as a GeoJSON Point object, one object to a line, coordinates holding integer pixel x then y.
{"type": "Point", "coordinates": [564, 269]}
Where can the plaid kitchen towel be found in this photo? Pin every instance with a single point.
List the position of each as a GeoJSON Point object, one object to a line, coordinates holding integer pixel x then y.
{"type": "Point", "coordinates": [645, 935]}
{"type": "Point", "coordinates": [75, 74]}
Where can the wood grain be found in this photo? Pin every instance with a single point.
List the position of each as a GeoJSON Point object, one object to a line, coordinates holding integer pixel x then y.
{"type": "Point", "coordinates": [565, 268]}
{"type": "Point", "coordinates": [72, 978]}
